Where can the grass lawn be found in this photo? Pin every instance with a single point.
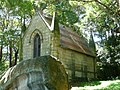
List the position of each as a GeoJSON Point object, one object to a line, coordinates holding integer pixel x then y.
{"type": "Point", "coordinates": [99, 85]}
{"type": "Point", "coordinates": [113, 86]}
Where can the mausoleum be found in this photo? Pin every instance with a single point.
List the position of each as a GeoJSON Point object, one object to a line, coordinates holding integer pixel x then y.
{"type": "Point", "coordinates": [45, 36]}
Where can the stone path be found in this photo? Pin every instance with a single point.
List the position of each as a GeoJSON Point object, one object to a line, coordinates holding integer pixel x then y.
{"type": "Point", "coordinates": [102, 85]}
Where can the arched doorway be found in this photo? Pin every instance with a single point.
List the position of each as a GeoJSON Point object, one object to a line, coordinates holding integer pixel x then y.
{"type": "Point", "coordinates": [37, 46]}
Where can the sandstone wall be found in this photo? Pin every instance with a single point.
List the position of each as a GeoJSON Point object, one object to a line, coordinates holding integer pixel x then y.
{"type": "Point", "coordinates": [44, 73]}
{"type": "Point", "coordinates": [37, 26]}
{"type": "Point", "coordinates": [74, 62]}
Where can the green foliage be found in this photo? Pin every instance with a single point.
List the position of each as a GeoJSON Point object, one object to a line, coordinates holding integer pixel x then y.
{"type": "Point", "coordinates": [108, 71]}
{"type": "Point", "coordinates": [65, 13]}
{"type": "Point", "coordinates": [109, 59]}
{"type": "Point", "coordinates": [103, 18]}
{"type": "Point", "coordinates": [14, 18]}
{"type": "Point", "coordinates": [114, 86]}
{"type": "Point", "coordinates": [67, 18]}
{"type": "Point", "coordinates": [3, 67]}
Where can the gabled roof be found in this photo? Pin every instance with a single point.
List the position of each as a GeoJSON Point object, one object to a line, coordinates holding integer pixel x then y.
{"type": "Point", "coordinates": [68, 38]}
{"type": "Point", "coordinates": [71, 40]}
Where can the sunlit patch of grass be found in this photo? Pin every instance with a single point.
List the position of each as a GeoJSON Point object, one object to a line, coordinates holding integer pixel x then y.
{"type": "Point", "coordinates": [114, 86]}
{"type": "Point", "coordinates": [105, 85]}
{"type": "Point", "coordinates": [92, 83]}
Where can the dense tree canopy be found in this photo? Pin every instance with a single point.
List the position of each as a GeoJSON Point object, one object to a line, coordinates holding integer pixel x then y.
{"type": "Point", "coordinates": [14, 18]}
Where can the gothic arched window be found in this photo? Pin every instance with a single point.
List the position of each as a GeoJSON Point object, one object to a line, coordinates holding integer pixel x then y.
{"type": "Point", "coordinates": [37, 46]}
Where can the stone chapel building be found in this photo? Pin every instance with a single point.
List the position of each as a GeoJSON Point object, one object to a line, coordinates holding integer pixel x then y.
{"type": "Point", "coordinates": [45, 36]}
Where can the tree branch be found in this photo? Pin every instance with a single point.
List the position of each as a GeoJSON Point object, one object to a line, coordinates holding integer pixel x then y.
{"type": "Point", "coordinates": [87, 1]}
{"type": "Point", "coordinates": [84, 0]}
{"type": "Point", "coordinates": [103, 5]}
{"type": "Point", "coordinates": [108, 8]}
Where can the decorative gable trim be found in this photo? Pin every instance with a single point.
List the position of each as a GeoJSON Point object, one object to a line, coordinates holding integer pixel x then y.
{"type": "Point", "coordinates": [51, 26]}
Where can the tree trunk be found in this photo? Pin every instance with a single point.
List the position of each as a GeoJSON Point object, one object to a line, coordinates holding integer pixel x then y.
{"type": "Point", "coordinates": [10, 48]}
{"type": "Point", "coordinates": [1, 47]}
{"type": "Point", "coordinates": [16, 56]}
{"type": "Point", "coordinates": [20, 49]}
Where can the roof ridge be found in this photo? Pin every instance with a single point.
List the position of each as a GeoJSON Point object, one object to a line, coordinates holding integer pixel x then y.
{"type": "Point", "coordinates": [51, 26]}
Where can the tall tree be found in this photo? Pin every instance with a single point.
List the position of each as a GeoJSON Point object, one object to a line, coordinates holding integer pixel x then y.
{"type": "Point", "coordinates": [15, 16]}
